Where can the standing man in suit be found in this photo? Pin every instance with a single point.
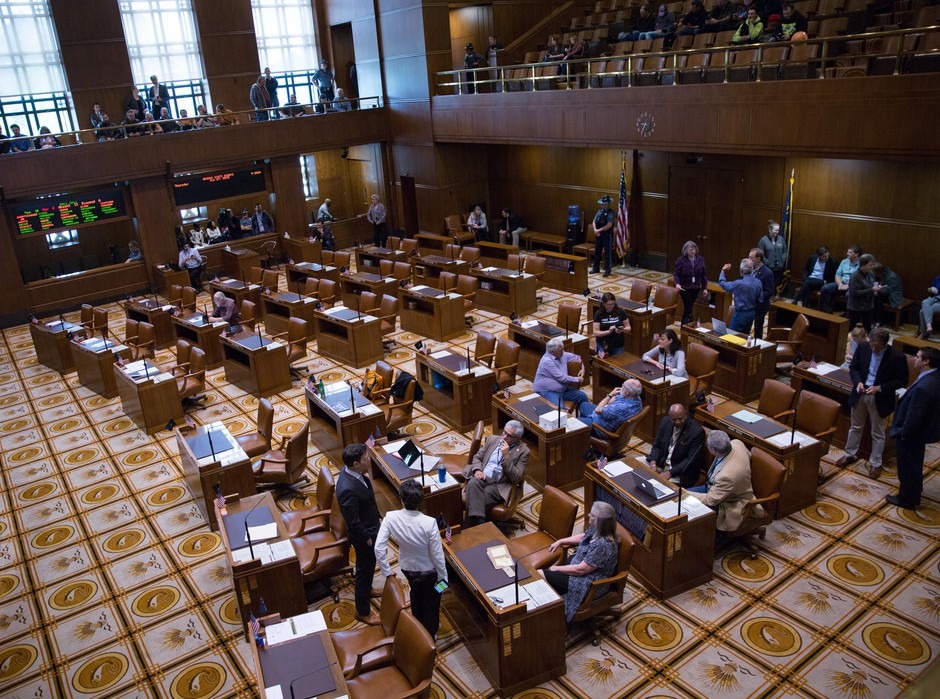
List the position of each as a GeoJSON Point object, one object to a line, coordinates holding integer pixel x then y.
{"type": "Point", "coordinates": [728, 487]}
{"type": "Point", "coordinates": [820, 269]}
{"type": "Point", "coordinates": [679, 447]}
{"type": "Point", "coordinates": [878, 371]}
{"type": "Point", "coordinates": [494, 471]}
{"type": "Point", "coordinates": [916, 424]}
{"type": "Point", "coordinates": [765, 276]}
{"type": "Point", "coordinates": [356, 498]}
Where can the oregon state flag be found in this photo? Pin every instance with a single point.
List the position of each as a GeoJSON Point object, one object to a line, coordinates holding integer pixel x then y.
{"type": "Point", "coordinates": [786, 229]}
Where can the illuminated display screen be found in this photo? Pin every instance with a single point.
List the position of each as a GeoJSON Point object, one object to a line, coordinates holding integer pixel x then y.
{"type": "Point", "coordinates": [67, 211]}
{"type": "Point", "coordinates": [196, 189]}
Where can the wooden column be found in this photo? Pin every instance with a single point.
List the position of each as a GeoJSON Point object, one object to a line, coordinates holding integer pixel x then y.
{"type": "Point", "coordinates": [156, 219]}
{"type": "Point", "coordinates": [229, 51]}
{"type": "Point", "coordinates": [287, 184]}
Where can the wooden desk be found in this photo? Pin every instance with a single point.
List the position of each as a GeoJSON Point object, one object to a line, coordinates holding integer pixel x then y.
{"type": "Point", "coordinates": [368, 258]}
{"type": "Point", "coordinates": [910, 344]}
{"type": "Point", "coordinates": [205, 336]}
{"type": "Point", "coordinates": [149, 310]}
{"type": "Point", "coordinates": [539, 241]}
{"type": "Point", "coordinates": [238, 290]}
{"type": "Point", "coordinates": [556, 455]}
{"type": "Point", "coordinates": [741, 370]}
{"type": "Point", "coordinates": [348, 337]}
{"type": "Point", "coordinates": [166, 277]}
{"type": "Point", "coordinates": [673, 553]}
{"type": "Point", "coordinates": [827, 336]}
{"type": "Point", "coordinates": [801, 462]}
{"type": "Point", "coordinates": [389, 472]}
{"type": "Point", "coordinates": [279, 582]}
{"type": "Point", "coordinates": [644, 323]}
{"type": "Point", "coordinates": [430, 312]}
{"type": "Point", "coordinates": [516, 649]}
{"type": "Point", "coordinates": [610, 373]}
{"type": "Point", "coordinates": [299, 272]}
{"type": "Point", "coordinates": [253, 366]}
{"type": "Point", "coordinates": [95, 361]}
{"type": "Point", "coordinates": [505, 291]}
{"type": "Point", "coordinates": [459, 398]}
{"type": "Point", "coordinates": [533, 335]}
{"type": "Point", "coordinates": [430, 244]}
{"type": "Point", "coordinates": [149, 402]}
{"type": "Point", "coordinates": [303, 249]}
{"type": "Point", "coordinates": [716, 305]}
{"type": "Point", "coordinates": [303, 666]}
{"type": "Point", "coordinates": [333, 425]}
{"type": "Point", "coordinates": [565, 272]}
{"type": "Point", "coordinates": [52, 344]}
{"type": "Point", "coordinates": [206, 464]}
{"type": "Point", "coordinates": [496, 254]}
{"type": "Point", "coordinates": [238, 262]}
{"type": "Point", "coordinates": [280, 308]}
{"type": "Point", "coordinates": [355, 284]}
{"type": "Point", "coordinates": [427, 269]}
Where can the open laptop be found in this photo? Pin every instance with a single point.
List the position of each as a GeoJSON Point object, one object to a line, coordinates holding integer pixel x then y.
{"type": "Point", "coordinates": [719, 327]}
{"type": "Point", "coordinates": [651, 489]}
{"type": "Point", "coordinates": [411, 454]}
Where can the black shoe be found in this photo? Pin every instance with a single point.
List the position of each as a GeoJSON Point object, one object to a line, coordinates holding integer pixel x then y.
{"type": "Point", "coordinates": [595, 271]}
{"type": "Point", "coordinates": [897, 502]}
{"type": "Point", "coordinates": [606, 274]}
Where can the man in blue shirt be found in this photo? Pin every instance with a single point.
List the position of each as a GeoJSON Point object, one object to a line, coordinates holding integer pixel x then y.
{"type": "Point", "coordinates": [617, 407]}
{"type": "Point", "coordinates": [840, 286]}
{"type": "Point", "coordinates": [552, 380]}
{"type": "Point", "coordinates": [747, 292]}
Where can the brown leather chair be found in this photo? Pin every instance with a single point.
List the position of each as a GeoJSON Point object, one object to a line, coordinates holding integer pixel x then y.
{"type": "Point", "coordinates": [536, 267]}
{"type": "Point", "coordinates": [258, 442]}
{"type": "Point", "coordinates": [457, 229]}
{"type": "Point", "coordinates": [640, 291]}
{"type": "Point", "coordinates": [452, 251]}
{"type": "Point", "coordinates": [362, 640]}
{"type": "Point", "coordinates": [504, 515]}
{"type": "Point", "coordinates": [175, 295]}
{"type": "Point", "coordinates": [766, 480]}
{"type": "Point", "coordinates": [667, 298]}
{"type": "Point", "coordinates": [701, 362]}
{"type": "Point", "coordinates": [402, 271]}
{"type": "Point", "coordinates": [267, 253]}
{"type": "Point", "coordinates": [485, 348]}
{"type": "Point", "coordinates": [912, 372]}
{"type": "Point", "coordinates": [386, 267]}
{"type": "Point", "coordinates": [310, 287]}
{"type": "Point", "coordinates": [447, 281]}
{"type": "Point", "coordinates": [574, 368]}
{"type": "Point", "coordinates": [516, 262]}
{"type": "Point", "coordinates": [392, 242]}
{"type": "Point", "coordinates": [248, 314]}
{"type": "Point", "coordinates": [270, 279]}
{"type": "Point", "coordinates": [506, 362]}
{"type": "Point", "coordinates": [191, 384]}
{"type": "Point", "coordinates": [296, 337]}
{"type": "Point", "coordinates": [368, 301]}
{"type": "Point", "coordinates": [325, 554]}
{"type": "Point", "coordinates": [184, 350]}
{"type": "Point", "coordinates": [255, 275]}
{"type": "Point", "coordinates": [467, 287]}
{"type": "Point", "coordinates": [407, 670]}
{"type": "Point", "coordinates": [326, 292]}
{"type": "Point", "coordinates": [398, 412]}
{"type": "Point", "coordinates": [144, 344]}
{"type": "Point", "coordinates": [131, 329]}
{"type": "Point", "coordinates": [605, 595]}
{"type": "Point", "coordinates": [387, 373]}
{"type": "Point", "coordinates": [188, 299]}
{"type": "Point", "coordinates": [100, 322]}
{"type": "Point", "coordinates": [285, 466]}
{"type": "Point", "coordinates": [817, 416]}
{"type": "Point", "coordinates": [789, 340]}
{"type": "Point", "coordinates": [342, 258]}
{"type": "Point", "coordinates": [388, 314]}
{"type": "Point", "coordinates": [556, 521]}
{"type": "Point", "coordinates": [470, 255]}
{"type": "Point", "coordinates": [408, 245]}
{"type": "Point", "coordinates": [569, 316]}
{"type": "Point", "coordinates": [456, 463]}
{"type": "Point", "coordinates": [88, 319]}
{"type": "Point", "coordinates": [316, 518]}
{"type": "Point", "coordinates": [612, 444]}
{"type": "Point", "coordinates": [776, 400]}
{"type": "Point", "coordinates": [326, 257]}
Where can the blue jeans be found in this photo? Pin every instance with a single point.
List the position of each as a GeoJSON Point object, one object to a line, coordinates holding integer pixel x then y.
{"type": "Point", "coordinates": [572, 394]}
{"type": "Point", "coordinates": [698, 489]}
{"type": "Point", "coordinates": [742, 321]}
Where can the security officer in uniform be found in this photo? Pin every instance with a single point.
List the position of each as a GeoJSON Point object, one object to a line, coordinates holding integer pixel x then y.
{"type": "Point", "coordinates": [472, 60]}
{"type": "Point", "coordinates": [603, 224]}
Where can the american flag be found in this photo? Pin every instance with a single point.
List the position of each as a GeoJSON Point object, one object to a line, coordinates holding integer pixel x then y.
{"type": "Point", "coordinates": [253, 625]}
{"type": "Point", "coordinates": [710, 406]}
{"type": "Point", "coordinates": [623, 217]}
{"type": "Point", "coordinates": [812, 362]}
{"type": "Point", "coordinates": [219, 499]}
{"type": "Point", "coordinates": [602, 462]}
{"type": "Point", "coordinates": [370, 442]}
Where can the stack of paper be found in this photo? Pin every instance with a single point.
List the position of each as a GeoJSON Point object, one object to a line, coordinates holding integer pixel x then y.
{"type": "Point", "coordinates": [747, 416]}
{"type": "Point", "coordinates": [824, 368]}
{"type": "Point", "coordinates": [499, 556]}
{"type": "Point", "coordinates": [616, 468]}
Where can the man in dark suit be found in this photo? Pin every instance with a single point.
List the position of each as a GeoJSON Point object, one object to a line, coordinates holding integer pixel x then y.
{"type": "Point", "coordinates": [878, 371]}
{"type": "Point", "coordinates": [356, 498]}
{"type": "Point", "coordinates": [679, 447]}
{"type": "Point", "coordinates": [261, 222]}
{"type": "Point", "coordinates": [819, 269]}
{"type": "Point", "coordinates": [494, 471]}
{"type": "Point", "coordinates": [916, 424]}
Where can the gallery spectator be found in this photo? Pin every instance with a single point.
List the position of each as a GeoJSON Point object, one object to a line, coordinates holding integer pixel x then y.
{"type": "Point", "coordinates": [185, 123]}
{"type": "Point", "coordinates": [46, 139]}
{"type": "Point", "coordinates": [159, 96]}
{"type": "Point", "coordinates": [97, 116]}
{"type": "Point", "coordinates": [750, 30]}
{"type": "Point", "coordinates": [181, 238]}
{"type": "Point", "coordinates": [324, 213]}
{"type": "Point", "coordinates": [645, 22]}
{"type": "Point", "coordinates": [107, 129]}
{"type": "Point", "coordinates": [232, 224]}
{"type": "Point", "coordinates": [494, 44]}
{"type": "Point", "coordinates": [224, 117]}
{"type": "Point", "coordinates": [323, 105]}
{"type": "Point", "coordinates": [136, 103]}
{"type": "Point", "coordinates": [196, 236]}
{"type": "Point", "coordinates": [168, 124]}
{"type": "Point", "coordinates": [4, 143]}
{"type": "Point", "coordinates": [694, 21]}
{"type": "Point", "coordinates": [476, 222]}
{"type": "Point", "coordinates": [554, 52]}
{"type": "Point", "coordinates": [270, 84]}
{"type": "Point", "coordinates": [292, 108]}
{"type": "Point", "coordinates": [511, 227]}
{"type": "Point", "coordinates": [840, 284]}
{"type": "Point", "coordinates": [929, 307]}
{"type": "Point", "coordinates": [132, 126]}
{"type": "Point", "coordinates": [341, 103]}
{"type": "Point", "coordinates": [891, 291]}
{"type": "Point", "coordinates": [133, 252]}
{"type": "Point", "coordinates": [203, 118]}
{"type": "Point", "coordinates": [260, 99]}
{"type": "Point", "coordinates": [261, 222]}
{"type": "Point", "coordinates": [792, 22]}
{"type": "Point", "coordinates": [664, 25]}
{"type": "Point", "coordinates": [771, 31]}
{"type": "Point", "coordinates": [245, 224]}
{"type": "Point", "coordinates": [721, 17]}
{"type": "Point", "coordinates": [325, 81]}
{"type": "Point", "coordinates": [191, 261]}
{"type": "Point", "coordinates": [150, 125]}
{"type": "Point", "coordinates": [860, 297]}
{"type": "Point", "coordinates": [819, 270]}
{"type": "Point", "coordinates": [19, 143]}
{"type": "Point", "coordinates": [471, 60]}
{"type": "Point", "coordinates": [213, 233]}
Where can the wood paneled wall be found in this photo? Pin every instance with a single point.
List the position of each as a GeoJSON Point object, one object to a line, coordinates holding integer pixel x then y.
{"type": "Point", "coordinates": [229, 51]}
{"type": "Point", "coordinates": [473, 24]}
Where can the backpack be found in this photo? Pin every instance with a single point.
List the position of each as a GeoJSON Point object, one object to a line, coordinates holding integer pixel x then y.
{"type": "Point", "coordinates": [371, 384]}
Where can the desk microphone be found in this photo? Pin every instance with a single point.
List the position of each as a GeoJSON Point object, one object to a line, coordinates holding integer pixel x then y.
{"type": "Point", "coordinates": [422, 469]}
{"type": "Point", "coordinates": [104, 336]}
{"type": "Point", "coordinates": [205, 314]}
{"type": "Point", "coordinates": [260, 338]}
{"type": "Point", "coordinates": [468, 358]}
{"type": "Point", "coordinates": [63, 322]}
{"type": "Point", "coordinates": [559, 412]}
{"type": "Point", "coordinates": [146, 371]}
{"type": "Point", "coordinates": [649, 295]}
{"type": "Point", "coordinates": [665, 368]}
{"type": "Point", "coordinates": [566, 327]}
{"type": "Point", "coordinates": [211, 448]}
{"type": "Point", "coordinates": [352, 400]}
{"type": "Point", "coordinates": [251, 551]}
{"type": "Point", "coordinates": [358, 314]}
{"type": "Point", "coordinates": [156, 303]}
{"type": "Point", "coordinates": [793, 429]}
{"type": "Point", "coordinates": [298, 288]}
{"type": "Point", "coordinates": [679, 510]}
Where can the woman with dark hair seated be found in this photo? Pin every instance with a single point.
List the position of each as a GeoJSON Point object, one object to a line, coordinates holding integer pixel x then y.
{"type": "Point", "coordinates": [595, 558]}
{"type": "Point", "coordinates": [668, 352]}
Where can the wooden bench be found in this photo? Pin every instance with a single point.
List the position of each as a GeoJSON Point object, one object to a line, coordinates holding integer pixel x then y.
{"type": "Point", "coordinates": [899, 312]}
{"type": "Point", "coordinates": [547, 240]}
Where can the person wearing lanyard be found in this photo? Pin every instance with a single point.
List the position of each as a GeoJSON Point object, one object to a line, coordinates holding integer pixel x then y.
{"type": "Point", "coordinates": [494, 472]}
{"type": "Point", "coordinates": [728, 486]}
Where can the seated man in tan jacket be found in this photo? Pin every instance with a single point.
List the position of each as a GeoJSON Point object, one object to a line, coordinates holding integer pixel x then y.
{"type": "Point", "coordinates": [728, 487]}
{"type": "Point", "coordinates": [495, 469]}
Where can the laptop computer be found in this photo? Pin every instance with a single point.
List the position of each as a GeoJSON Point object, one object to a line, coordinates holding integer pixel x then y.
{"type": "Point", "coordinates": [649, 488]}
{"type": "Point", "coordinates": [719, 327]}
{"type": "Point", "coordinates": [411, 454]}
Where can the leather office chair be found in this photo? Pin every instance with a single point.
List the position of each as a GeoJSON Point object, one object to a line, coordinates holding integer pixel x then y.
{"type": "Point", "coordinates": [456, 228]}
{"type": "Point", "coordinates": [639, 291]}
{"type": "Point", "coordinates": [325, 554]}
{"type": "Point", "coordinates": [131, 328]}
{"type": "Point", "coordinates": [605, 595]}
{"type": "Point", "coordinates": [393, 242]}
{"type": "Point", "coordinates": [398, 411]}
{"type": "Point", "coordinates": [326, 258]}
{"type": "Point", "coordinates": [485, 348]}
{"type": "Point", "coordinates": [190, 385]}
{"type": "Point", "coordinates": [504, 515]}
{"type": "Point", "coordinates": [408, 245]}
{"type": "Point", "coordinates": [386, 372]}
{"type": "Point", "coordinates": [100, 322]}
{"type": "Point", "coordinates": [188, 299]}
{"type": "Point", "coordinates": [256, 443]}
{"type": "Point", "coordinates": [817, 416]}
{"type": "Point", "coordinates": [667, 298]}
{"type": "Point", "coordinates": [452, 251]}
{"type": "Point", "coordinates": [701, 362]}
{"type": "Point", "coordinates": [184, 350]}
{"type": "Point", "coordinates": [574, 368]}
{"type": "Point", "coordinates": [407, 670]}
{"type": "Point", "coordinates": [342, 258]}
{"type": "Point", "coordinates": [569, 316]}
{"type": "Point", "coordinates": [776, 400]}
{"type": "Point", "coordinates": [248, 314]}
{"type": "Point", "coordinates": [310, 287]}
{"type": "Point", "coordinates": [255, 275]}
{"type": "Point", "coordinates": [536, 267]}
{"type": "Point", "coordinates": [388, 313]}
{"type": "Point", "coordinates": [506, 362]}
{"type": "Point", "coordinates": [368, 301]}
{"type": "Point", "coordinates": [87, 319]}
{"type": "Point", "coordinates": [386, 267]}
{"type": "Point", "coordinates": [267, 252]}
{"type": "Point", "coordinates": [766, 480]}
{"type": "Point", "coordinates": [556, 521]}
{"type": "Point", "coordinates": [789, 340]}
{"type": "Point", "coordinates": [285, 466]}
{"type": "Point", "coordinates": [402, 271]}
{"type": "Point", "coordinates": [144, 346]}
{"type": "Point", "coordinates": [312, 519]}
{"type": "Point", "coordinates": [586, 249]}
{"type": "Point", "coordinates": [269, 280]}
{"type": "Point", "coordinates": [175, 295]}
{"type": "Point", "coordinates": [516, 262]}
{"type": "Point", "coordinates": [447, 281]}
{"type": "Point", "coordinates": [296, 337]}
{"type": "Point", "coordinates": [326, 292]}
{"type": "Point", "coordinates": [470, 255]}
{"type": "Point", "coordinates": [455, 463]}
{"type": "Point", "coordinates": [360, 641]}
{"type": "Point", "coordinates": [612, 444]}
{"type": "Point", "coordinates": [467, 287]}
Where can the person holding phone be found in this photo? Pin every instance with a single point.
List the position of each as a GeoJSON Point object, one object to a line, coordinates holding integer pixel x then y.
{"type": "Point", "coordinates": [610, 323]}
{"type": "Point", "coordinates": [420, 554]}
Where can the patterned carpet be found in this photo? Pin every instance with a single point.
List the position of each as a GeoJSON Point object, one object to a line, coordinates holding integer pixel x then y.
{"type": "Point", "coordinates": [112, 585]}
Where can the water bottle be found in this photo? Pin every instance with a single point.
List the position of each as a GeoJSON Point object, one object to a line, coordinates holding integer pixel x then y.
{"type": "Point", "coordinates": [322, 389]}
{"type": "Point", "coordinates": [441, 472]}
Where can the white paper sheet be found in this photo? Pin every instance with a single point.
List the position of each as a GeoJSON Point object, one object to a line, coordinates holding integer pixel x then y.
{"type": "Point", "coordinates": [824, 368]}
{"type": "Point", "coordinates": [369, 409]}
{"type": "Point", "coordinates": [747, 416]}
{"type": "Point", "coordinates": [530, 324]}
{"type": "Point", "coordinates": [435, 484]}
{"type": "Point", "coordinates": [311, 622]}
{"type": "Point", "coordinates": [278, 633]}
{"type": "Point", "coordinates": [539, 593]}
{"type": "Point", "coordinates": [529, 397]}
{"type": "Point", "coordinates": [481, 370]}
{"type": "Point", "coordinates": [574, 424]}
{"type": "Point", "coordinates": [441, 354]}
{"type": "Point", "coordinates": [274, 692]}
{"type": "Point", "coordinates": [263, 532]}
{"type": "Point", "coordinates": [282, 549]}
{"type": "Point", "coordinates": [419, 287]}
{"type": "Point", "coordinates": [616, 468]}
{"type": "Point", "coordinates": [393, 447]}
{"type": "Point", "coordinates": [783, 439]}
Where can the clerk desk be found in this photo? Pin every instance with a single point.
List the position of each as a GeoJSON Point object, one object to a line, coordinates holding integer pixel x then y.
{"type": "Point", "coordinates": [459, 397]}
{"type": "Point", "coordinates": [431, 313]}
{"type": "Point", "coordinates": [645, 322]}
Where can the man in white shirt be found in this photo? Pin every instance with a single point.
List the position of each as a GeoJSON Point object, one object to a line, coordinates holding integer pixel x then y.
{"type": "Point", "coordinates": [192, 262]}
{"type": "Point", "coordinates": [420, 554]}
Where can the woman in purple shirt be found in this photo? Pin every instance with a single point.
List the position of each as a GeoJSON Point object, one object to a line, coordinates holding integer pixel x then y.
{"type": "Point", "coordinates": [689, 278]}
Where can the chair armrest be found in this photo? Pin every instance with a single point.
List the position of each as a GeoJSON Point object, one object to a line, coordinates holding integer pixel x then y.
{"type": "Point", "coordinates": [613, 580]}
{"type": "Point", "coordinates": [785, 414]}
{"type": "Point", "coordinates": [317, 514]}
{"type": "Point", "coordinates": [272, 460]}
{"type": "Point", "coordinates": [485, 357]}
{"type": "Point", "coordinates": [825, 433]}
{"type": "Point", "coordinates": [788, 343]}
{"type": "Point", "coordinates": [606, 433]}
{"type": "Point", "coordinates": [751, 505]}
{"type": "Point", "coordinates": [283, 334]}
{"type": "Point", "coordinates": [318, 549]}
{"type": "Point", "coordinates": [380, 391]}
{"type": "Point", "coordinates": [778, 334]}
{"type": "Point", "coordinates": [514, 365]}
{"type": "Point", "coordinates": [386, 642]}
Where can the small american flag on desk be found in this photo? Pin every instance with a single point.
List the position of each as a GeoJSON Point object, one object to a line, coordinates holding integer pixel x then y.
{"type": "Point", "coordinates": [370, 442]}
{"type": "Point", "coordinates": [253, 625]}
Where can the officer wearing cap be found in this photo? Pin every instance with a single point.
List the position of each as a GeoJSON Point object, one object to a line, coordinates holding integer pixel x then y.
{"type": "Point", "coordinates": [604, 235]}
{"type": "Point", "coordinates": [470, 61]}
